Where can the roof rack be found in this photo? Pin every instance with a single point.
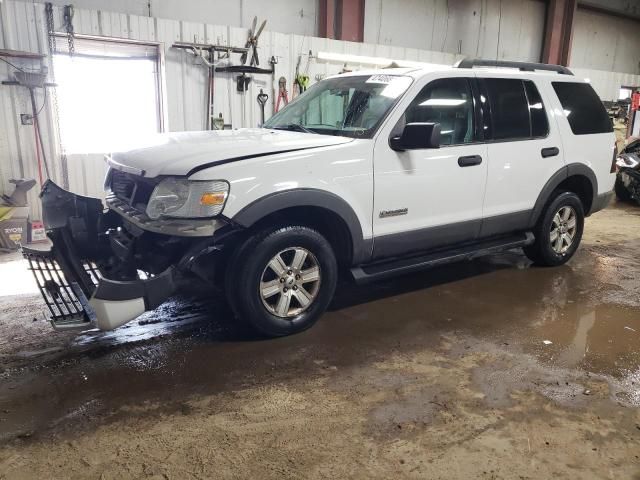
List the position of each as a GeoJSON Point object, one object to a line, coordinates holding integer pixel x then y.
{"type": "Point", "coordinates": [522, 66]}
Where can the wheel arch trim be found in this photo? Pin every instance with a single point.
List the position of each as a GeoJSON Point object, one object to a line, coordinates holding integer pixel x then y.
{"type": "Point", "coordinates": [570, 170]}
{"type": "Point", "coordinates": [309, 197]}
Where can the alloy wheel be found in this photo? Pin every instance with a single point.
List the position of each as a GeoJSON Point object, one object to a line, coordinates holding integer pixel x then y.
{"type": "Point", "coordinates": [290, 282]}
{"type": "Point", "coordinates": [563, 229]}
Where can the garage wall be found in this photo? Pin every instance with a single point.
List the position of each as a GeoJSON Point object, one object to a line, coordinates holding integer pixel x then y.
{"type": "Point", "coordinates": [605, 42]}
{"type": "Point", "coordinates": [299, 17]}
{"type": "Point", "coordinates": [23, 27]}
{"type": "Point", "coordinates": [607, 84]}
{"type": "Point", "coordinates": [510, 30]}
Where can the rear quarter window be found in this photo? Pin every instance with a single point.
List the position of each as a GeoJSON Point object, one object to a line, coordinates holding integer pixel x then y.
{"type": "Point", "coordinates": [582, 107]}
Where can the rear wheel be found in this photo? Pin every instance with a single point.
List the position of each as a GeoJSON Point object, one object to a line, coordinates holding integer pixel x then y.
{"type": "Point", "coordinates": [282, 280]}
{"type": "Point", "coordinates": [558, 232]}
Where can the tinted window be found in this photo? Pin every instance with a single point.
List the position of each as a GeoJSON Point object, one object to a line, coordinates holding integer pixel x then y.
{"type": "Point", "coordinates": [509, 108]}
{"type": "Point", "coordinates": [539, 123]}
{"type": "Point", "coordinates": [448, 102]}
{"type": "Point", "coordinates": [583, 108]}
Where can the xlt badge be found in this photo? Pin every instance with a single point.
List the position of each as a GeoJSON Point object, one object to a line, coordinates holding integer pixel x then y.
{"type": "Point", "coordinates": [393, 213]}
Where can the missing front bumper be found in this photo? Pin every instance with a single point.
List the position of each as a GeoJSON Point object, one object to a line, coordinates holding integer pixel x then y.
{"type": "Point", "coordinates": [77, 295]}
{"type": "Point", "coordinates": [65, 300]}
{"type": "Point", "coordinates": [112, 303]}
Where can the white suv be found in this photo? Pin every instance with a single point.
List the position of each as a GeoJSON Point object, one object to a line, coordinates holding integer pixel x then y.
{"type": "Point", "coordinates": [372, 173]}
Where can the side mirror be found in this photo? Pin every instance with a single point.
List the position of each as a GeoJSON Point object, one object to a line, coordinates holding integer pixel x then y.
{"type": "Point", "coordinates": [416, 136]}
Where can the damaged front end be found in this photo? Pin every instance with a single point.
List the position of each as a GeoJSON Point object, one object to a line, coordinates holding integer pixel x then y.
{"type": "Point", "coordinates": [628, 178]}
{"type": "Point", "coordinates": [627, 185]}
{"type": "Point", "coordinates": [102, 269]}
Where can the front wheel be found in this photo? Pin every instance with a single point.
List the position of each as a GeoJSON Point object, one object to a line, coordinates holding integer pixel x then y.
{"type": "Point", "coordinates": [558, 232]}
{"type": "Point", "coordinates": [282, 279]}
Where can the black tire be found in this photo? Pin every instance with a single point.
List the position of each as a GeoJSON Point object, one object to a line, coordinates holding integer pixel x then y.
{"type": "Point", "coordinates": [249, 263]}
{"type": "Point", "coordinates": [541, 251]}
{"type": "Point", "coordinates": [621, 191]}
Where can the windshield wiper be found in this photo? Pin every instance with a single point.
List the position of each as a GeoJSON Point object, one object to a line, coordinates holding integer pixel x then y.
{"type": "Point", "coordinates": [296, 127]}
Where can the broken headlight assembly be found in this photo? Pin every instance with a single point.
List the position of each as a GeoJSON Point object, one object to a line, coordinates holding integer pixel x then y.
{"type": "Point", "coordinates": [182, 198]}
{"type": "Point", "coordinates": [628, 160]}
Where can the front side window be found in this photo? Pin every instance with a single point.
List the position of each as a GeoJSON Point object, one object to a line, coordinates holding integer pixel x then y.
{"type": "Point", "coordinates": [350, 106]}
{"type": "Point", "coordinates": [582, 107]}
{"type": "Point", "coordinates": [509, 108]}
{"type": "Point", "coordinates": [449, 102]}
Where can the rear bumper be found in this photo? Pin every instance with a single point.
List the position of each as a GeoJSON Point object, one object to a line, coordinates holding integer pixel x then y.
{"type": "Point", "coordinates": [77, 294]}
{"type": "Point", "coordinates": [601, 202]}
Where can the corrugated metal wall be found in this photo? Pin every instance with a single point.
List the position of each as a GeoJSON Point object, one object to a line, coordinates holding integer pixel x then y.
{"type": "Point", "coordinates": [497, 29]}
{"type": "Point", "coordinates": [299, 16]}
{"type": "Point", "coordinates": [607, 84]}
{"type": "Point", "coordinates": [24, 28]}
{"type": "Point", "coordinates": [605, 42]}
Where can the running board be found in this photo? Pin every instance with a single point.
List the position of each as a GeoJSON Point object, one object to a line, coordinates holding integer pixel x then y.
{"type": "Point", "coordinates": [400, 266]}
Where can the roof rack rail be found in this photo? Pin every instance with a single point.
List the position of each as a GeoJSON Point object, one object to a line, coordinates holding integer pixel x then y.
{"type": "Point", "coordinates": [523, 66]}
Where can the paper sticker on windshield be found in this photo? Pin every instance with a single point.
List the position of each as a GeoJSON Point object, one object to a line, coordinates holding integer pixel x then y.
{"type": "Point", "coordinates": [380, 79]}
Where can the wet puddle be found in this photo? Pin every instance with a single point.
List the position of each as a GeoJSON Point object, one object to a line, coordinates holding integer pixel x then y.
{"type": "Point", "coordinates": [566, 317]}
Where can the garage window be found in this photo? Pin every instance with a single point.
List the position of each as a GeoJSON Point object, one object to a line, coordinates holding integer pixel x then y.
{"type": "Point", "coordinates": [109, 94]}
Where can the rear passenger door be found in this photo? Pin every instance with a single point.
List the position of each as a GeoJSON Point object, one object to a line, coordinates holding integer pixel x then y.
{"type": "Point", "coordinates": [524, 150]}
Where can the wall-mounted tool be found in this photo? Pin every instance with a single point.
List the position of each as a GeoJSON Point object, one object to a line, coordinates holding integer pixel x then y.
{"type": "Point", "coordinates": [262, 100]}
{"type": "Point", "coordinates": [219, 124]}
{"type": "Point", "coordinates": [283, 95]}
{"type": "Point", "coordinates": [32, 81]}
{"type": "Point", "coordinates": [273, 61]}
{"type": "Point", "coordinates": [302, 80]}
{"type": "Point", "coordinates": [210, 55]}
{"type": "Point", "coordinates": [207, 53]}
{"type": "Point", "coordinates": [242, 82]}
{"type": "Point", "coordinates": [252, 43]}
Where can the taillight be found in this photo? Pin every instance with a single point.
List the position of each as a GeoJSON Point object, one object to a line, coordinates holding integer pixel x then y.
{"type": "Point", "coordinates": [614, 167]}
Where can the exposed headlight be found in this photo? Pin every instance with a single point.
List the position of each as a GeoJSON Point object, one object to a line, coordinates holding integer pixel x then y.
{"type": "Point", "coordinates": [628, 160]}
{"type": "Point", "coordinates": [179, 197]}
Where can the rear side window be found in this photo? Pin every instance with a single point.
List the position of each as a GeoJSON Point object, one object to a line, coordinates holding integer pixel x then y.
{"type": "Point", "coordinates": [539, 122]}
{"type": "Point", "coordinates": [582, 106]}
{"type": "Point", "coordinates": [509, 108]}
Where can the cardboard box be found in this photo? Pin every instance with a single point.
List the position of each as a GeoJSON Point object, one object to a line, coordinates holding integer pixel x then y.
{"type": "Point", "coordinates": [14, 232]}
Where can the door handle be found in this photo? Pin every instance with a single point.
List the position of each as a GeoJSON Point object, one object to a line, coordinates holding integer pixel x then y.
{"type": "Point", "coordinates": [470, 160]}
{"type": "Point", "coordinates": [549, 152]}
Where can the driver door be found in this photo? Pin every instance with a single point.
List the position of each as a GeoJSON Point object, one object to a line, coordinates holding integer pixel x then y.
{"type": "Point", "coordinates": [429, 198]}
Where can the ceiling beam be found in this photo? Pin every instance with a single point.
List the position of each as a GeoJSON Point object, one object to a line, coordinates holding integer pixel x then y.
{"type": "Point", "coordinates": [342, 20]}
{"type": "Point", "coordinates": [617, 8]}
{"type": "Point", "coordinates": [558, 33]}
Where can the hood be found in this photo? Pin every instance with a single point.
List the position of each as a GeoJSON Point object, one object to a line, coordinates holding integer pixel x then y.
{"type": "Point", "coordinates": [181, 153]}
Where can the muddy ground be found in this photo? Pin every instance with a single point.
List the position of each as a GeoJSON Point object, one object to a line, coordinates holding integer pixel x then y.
{"type": "Point", "coordinates": [486, 369]}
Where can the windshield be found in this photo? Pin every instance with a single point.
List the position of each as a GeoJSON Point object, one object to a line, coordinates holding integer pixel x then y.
{"type": "Point", "coordinates": [350, 106]}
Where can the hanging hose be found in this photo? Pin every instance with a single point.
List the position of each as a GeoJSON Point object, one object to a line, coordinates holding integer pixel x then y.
{"type": "Point", "coordinates": [37, 142]}
{"type": "Point", "coordinates": [38, 137]}
{"type": "Point", "coordinates": [64, 164]}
